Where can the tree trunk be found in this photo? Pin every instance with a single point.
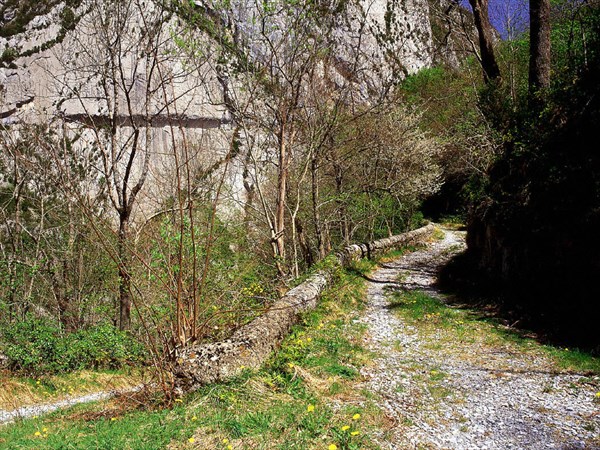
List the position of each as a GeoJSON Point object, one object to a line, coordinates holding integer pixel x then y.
{"type": "Point", "coordinates": [491, 72]}
{"type": "Point", "coordinates": [281, 200]}
{"type": "Point", "coordinates": [539, 45]}
{"type": "Point", "coordinates": [124, 275]}
{"type": "Point", "coordinates": [315, 207]}
{"type": "Point", "coordinates": [307, 253]}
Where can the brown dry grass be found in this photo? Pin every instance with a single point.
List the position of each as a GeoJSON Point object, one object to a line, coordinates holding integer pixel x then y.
{"type": "Point", "coordinates": [17, 392]}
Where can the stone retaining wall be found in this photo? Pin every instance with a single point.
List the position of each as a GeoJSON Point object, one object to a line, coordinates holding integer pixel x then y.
{"type": "Point", "coordinates": [252, 344]}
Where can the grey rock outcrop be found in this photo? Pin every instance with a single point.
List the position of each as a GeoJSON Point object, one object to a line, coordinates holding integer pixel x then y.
{"type": "Point", "coordinates": [42, 61]}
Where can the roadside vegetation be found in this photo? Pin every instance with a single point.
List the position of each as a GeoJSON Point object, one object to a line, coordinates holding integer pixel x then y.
{"type": "Point", "coordinates": [306, 396]}
{"type": "Point", "coordinates": [464, 331]}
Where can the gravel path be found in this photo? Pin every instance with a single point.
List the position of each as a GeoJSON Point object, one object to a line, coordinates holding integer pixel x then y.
{"type": "Point", "coordinates": [38, 410]}
{"type": "Point", "coordinates": [467, 395]}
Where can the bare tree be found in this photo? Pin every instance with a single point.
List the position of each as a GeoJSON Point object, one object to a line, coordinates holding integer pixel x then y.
{"type": "Point", "coordinates": [116, 91]}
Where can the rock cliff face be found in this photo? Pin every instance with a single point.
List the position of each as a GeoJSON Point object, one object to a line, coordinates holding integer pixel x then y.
{"type": "Point", "coordinates": [135, 67]}
{"type": "Point", "coordinates": [43, 53]}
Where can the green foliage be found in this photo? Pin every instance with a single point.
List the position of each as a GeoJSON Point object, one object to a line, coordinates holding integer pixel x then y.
{"type": "Point", "coordinates": [8, 56]}
{"type": "Point", "coordinates": [37, 347]}
{"type": "Point", "coordinates": [449, 101]}
{"type": "Point", "coordinates": [535, 221]}
{"type": "Point", "coordinates": [287, 404]}
{"type": "Point", "coordinates": [237, 283]}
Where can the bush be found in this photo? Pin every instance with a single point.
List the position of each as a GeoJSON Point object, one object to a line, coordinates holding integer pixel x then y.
{"type": "Point", "coordinates": [35, 347]}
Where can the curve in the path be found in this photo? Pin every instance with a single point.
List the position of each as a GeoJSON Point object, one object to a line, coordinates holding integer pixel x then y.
{"type": "Point", "coordinates": [497, 398]}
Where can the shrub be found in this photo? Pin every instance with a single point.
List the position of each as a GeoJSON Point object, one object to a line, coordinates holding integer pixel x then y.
{"type": "Point", "coordinates": [35, 347]}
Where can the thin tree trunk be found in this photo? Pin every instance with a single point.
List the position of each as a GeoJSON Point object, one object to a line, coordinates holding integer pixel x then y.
{"type": "Point", "coordinates": [124, 275]}
{"type": "Point", "coordinates": [307, 253]}
{"type": "Point", "coordinates": [281, 199]}
{"type": "Point", "coordinates": [491, 72]}
{"type": "Point", "coordinates": [315, 207]}
{"type": "Point", "coordinates": [539, 45]}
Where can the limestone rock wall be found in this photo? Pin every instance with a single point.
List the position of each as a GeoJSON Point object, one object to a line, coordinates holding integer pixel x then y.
{"type": "Point", "coordinates": [395, 36]}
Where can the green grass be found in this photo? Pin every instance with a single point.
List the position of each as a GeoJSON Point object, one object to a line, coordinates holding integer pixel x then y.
{"type": "Point", "coordinates": [303, 398]}
{"type": "Point", "coordinates": [444, 328]}
{"type": "Point", "coordinates": [18, 391]}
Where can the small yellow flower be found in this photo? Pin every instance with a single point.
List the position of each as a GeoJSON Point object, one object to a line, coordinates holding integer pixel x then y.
{"type": "Point", "coordinates": [37, 433]}
{"type": "Point", "coordinates": [290, 365]}
{"type": "Point", "coordinates": [178, 400]}
{"type": "Point", "coordinates": [191, 440]}
{"type": "Point", "coordinates": [38, 382]}
{"type": "Point", "coordinates": [355, 433]}
{"type": "Point", "coordinates": [345, 427]}
{"type": "Point", "coordinates": [308, 339]}
{"type": "Point", "coordinates": [332, 447]}
{"type": "Point", "coordinates": [242, 367]}
{"type": "Point", "coordinates": [356, 416]}
{"type": "Point", "coordinates": [230, 447]}
{"type": "Point", "coordinates": [112, 419]}
{"type": "Point", "coordinates": [44, 430]}
{"type": "Point", "coordinates": [310, 408]}
{"type": "Point", "coordinates": [225, 441]}
{"type": "Point", "coordinates": [597, 394]}
{"type": "Point", "coordinates": [194, 418]}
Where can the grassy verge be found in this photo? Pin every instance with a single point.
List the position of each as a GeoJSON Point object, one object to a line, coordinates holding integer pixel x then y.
{"type": "Point", "coordinates": [466, 333]}
{"type": "Point", "coordinates": [307, 396]}
{"type": "Point", "coordinates": [23, 391]}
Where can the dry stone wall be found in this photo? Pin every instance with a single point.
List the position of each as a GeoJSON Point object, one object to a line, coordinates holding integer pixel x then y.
{"type": "Point", "coordinates": [252, 344]}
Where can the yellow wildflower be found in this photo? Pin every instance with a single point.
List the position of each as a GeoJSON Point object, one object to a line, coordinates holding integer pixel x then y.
{"type": "Point", "coordinates": [332, 447]}
{"type": "Point", "coordinates": [37, 433]}
{"type": "Point", "coordinates": [310, 408]}
{"type": "Point", "coordinates": [112, 419]}
{"type": "Point", "coordinates": [290, 365]}
{"type": "Point", "coordinates": [355, 433]}
{"type": "Point", "coordinates": [225, 441]}
{"type": "Point", "coordinates": [194, 418]}
{"type": "Point", "coordinates": [44, 430]}
{"type": "Point", "coordinates": [356, 416]}
{"type": "Point", "coordinates": [345, 427]}
{"type": "Point", "coordinates": [178, 400]}
{"type": "Point", "coordinates": [191, 440]}
{"type": "Point", "coordinates": [597, 394]}
{"type": "Point", "coordinates": [230, 447]}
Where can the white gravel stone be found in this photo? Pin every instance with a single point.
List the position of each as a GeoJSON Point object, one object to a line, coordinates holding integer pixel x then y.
{"type": "Point", "coordinates": [508, 400]}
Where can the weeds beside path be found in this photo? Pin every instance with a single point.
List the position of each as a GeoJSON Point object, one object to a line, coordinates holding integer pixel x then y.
{"type": "Point", "coordinates": [449, 378]}
{"type": "Point", "coordinates": [383, 364]}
